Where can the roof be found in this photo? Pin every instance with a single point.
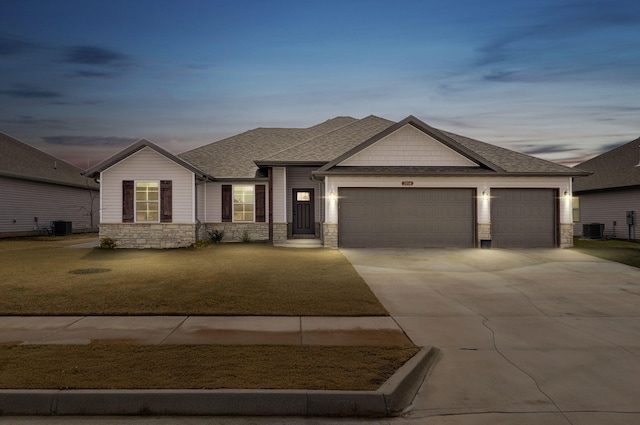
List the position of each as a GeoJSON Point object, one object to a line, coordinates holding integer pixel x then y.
{"type": "Point", "coordinates": [489, 157]}
{"type": "Point", "coordinates": [23, 161]}
{"type": "Point", "coordinates": [139, 145]}
{"type": "Point", "coordinates": [236, 156]}
{"type": "Point", "coordinates": [615, 169]}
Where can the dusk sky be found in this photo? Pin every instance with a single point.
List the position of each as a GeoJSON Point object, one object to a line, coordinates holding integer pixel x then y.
{"type": "Point", "coordinates": [81, 80]}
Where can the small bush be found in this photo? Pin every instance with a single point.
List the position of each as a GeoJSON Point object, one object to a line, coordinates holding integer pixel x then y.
{"type": "Point", "coordinates": [200, 243]}
{"type": "Point", "coordinates": [108, 243]}
{"type": "Point", "coordinates": [216, 235]}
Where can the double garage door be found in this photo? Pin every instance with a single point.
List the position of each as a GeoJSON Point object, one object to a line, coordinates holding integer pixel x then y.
{"type": "Point", "coordinates": [429, 218]}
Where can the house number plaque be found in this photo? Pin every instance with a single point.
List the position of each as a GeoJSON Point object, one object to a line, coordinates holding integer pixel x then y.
{"type": "Point", "coordinates": [407, 183]}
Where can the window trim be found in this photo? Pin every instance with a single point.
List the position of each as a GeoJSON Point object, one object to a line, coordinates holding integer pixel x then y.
{"type": "Point", "coordinates": [234, 203]}
{"type": "Point", "coordinates": [135, 201]}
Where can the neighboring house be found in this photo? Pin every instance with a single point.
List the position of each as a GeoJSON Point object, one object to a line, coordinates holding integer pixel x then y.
{"type": "Point", "coordinates": [37, 189]}
{"type": "Point", "coordinates": [349, 182]}
{"type": "Point", "coordinates": [609, 193]}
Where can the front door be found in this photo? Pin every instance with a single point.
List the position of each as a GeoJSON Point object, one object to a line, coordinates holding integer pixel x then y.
{"type": "Point", "coordinates": [303, 217]}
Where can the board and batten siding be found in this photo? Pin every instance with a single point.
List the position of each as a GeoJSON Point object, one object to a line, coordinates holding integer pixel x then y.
{"type": "Point", "coordinates": [408, 146]}
{"type": "Point", "coordinates": [23, 200]}
{"type": "Point", "coordinates": [147, 165]}
{"type": "Point", "coordinates": [607, 207]}
{"type": "Point", "coordinates": [300, 178]}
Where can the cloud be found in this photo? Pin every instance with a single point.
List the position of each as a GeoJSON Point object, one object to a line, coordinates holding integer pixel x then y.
{"type": "Point", "coordinates": [88, 140]}
{"type": "Point", "coordinates": [12, 46]}
{"type": "Point", "coordinates": [93, 55]}
{"type": "Point", "coordinates": [26, 91]}
{"type": "Point", "coordinates": [546, 149]}
{"type": "Point", "coordinates": [93, 74]}
{"type": "Point", "coordinates": [30, 120]}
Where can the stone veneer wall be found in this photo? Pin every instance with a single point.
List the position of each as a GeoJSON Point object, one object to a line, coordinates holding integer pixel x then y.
{"type": "Point", "coordinates": [279, 232]}
{"type": "Point", "coordinates": [566, 235]}
{"type": "Point", "coordinates": [149, 235]}
{"type": "Point", "coordinates": [239, 232]}
{"type": "Point", "coordinates": [484, 232]}
{"type": "Point", "coordinates": [330, 235]}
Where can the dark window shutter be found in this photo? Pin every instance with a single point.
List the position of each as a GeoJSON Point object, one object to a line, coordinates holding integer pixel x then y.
{"type": "Point", "coordinates": [166, 201]}
{"type": "Point", "coordinates": [227, 203]}
{"type": "Point", "coordinates": [260, 203]}
{"type": "Point", "coordinates": [127, 201]}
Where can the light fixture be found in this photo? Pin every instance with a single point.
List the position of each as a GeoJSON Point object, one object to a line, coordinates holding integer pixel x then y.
{"type": "Point", "coordinates": [484, 194]}
{"type": "Point", "coordinates": [566, 193]}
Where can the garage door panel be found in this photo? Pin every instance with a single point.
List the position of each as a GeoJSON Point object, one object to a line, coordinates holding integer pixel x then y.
{"type": "Point", "coordinates": [390, 217]}
{"type": "Point", "coordinates": [523, 218]}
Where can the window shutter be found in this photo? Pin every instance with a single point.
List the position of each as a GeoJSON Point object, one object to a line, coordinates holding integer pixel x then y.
{"type": "Point", "coordinates": [260, 203]}
{"type": "Point", "coordinates": [166, 201]}
{"type": "Point", "coordinates": [127, 201]}
{"type": "Point", "coordinates": [227, 203]}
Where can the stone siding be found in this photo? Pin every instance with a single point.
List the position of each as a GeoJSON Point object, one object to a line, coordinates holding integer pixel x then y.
{"type": "Point", "coordinates": [149, 235]}
{"type": "Point", "coordinates": [239, 232]}
{"type": "Point", "coordinates": [330, 235]}
{"type": "Point", "coordinates": [279, 232]}
{"type": "Point", "coordinates": [484, 232]}
{"type": "Point", "coordinates": [566, 235]}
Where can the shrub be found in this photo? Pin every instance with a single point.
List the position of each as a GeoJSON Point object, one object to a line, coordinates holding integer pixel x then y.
{"type": "Point", "coordinates": [108, 243]}
{"type": "Point", "coordinates": [216, 235]}
{"type": "Point", "coordinates": [200, 243]}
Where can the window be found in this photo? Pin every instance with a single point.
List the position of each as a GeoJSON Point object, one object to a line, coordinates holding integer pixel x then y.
{"type": "Point", "coordinates": [243, 203]}
{"type": "Point", "coordinates": [303, 196]}
{"type": "Point", "coordinates": [576, 209]}
{"type": "Point", "coordinates": [147, 201]}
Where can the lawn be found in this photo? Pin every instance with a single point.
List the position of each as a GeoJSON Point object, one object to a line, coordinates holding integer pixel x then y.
{"type": "Point", "coordinates": [620, 251]}
{"type": "Point", "coordinates": [41, 276]}
{"type": "Point", "coordinates": [198, 366]}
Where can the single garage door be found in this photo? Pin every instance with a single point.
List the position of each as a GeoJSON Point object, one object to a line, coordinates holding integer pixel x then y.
{"type": "Point", "coordinates": [392, 217]}
{"type": "Point", "coordinates": [523, 218]}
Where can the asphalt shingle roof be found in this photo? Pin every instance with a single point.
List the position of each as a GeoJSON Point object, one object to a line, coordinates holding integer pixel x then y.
{"type": "Point", "coordinates": [20, 160]}
{"type": "Point", "coordinates": [235, 156]}
{"type": "Point", "coordinates": [617, 168]}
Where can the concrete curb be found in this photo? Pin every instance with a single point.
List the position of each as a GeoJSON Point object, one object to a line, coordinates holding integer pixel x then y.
{"type": "Point", "coordinates": [391, 399]}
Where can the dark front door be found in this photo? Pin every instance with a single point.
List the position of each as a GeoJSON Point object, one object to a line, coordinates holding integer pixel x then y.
{"type": "Point", "coordinates": [303, 219]}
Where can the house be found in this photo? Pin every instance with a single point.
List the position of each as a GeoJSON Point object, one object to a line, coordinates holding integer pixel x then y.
{"type": "Point", "coordinates": [347, 182]}
{"type": "Point", "coordinates": [610, 196]}
{"type": "Point", "coordinates": [37, 189]}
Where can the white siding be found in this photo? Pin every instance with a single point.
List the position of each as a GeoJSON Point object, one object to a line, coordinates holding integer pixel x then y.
{"type": "Point", "coordinates": [408, 147]}
{"type": "Point", "coordinates": [148, 165]}
{"type": "Point", "coordinates": [607, 207]}
{"type": "Point", "coordinates": [300, 178]}
{"type": "Point", "coordinates": [213, 202]}
{"type": "Point", "coordinates": [279, 195]}
{"type": "Point", "coordinates": [23, 200]}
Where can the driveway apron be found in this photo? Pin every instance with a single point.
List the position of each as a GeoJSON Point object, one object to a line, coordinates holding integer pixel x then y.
{"type": "Point", "coordinates": [527, 336]}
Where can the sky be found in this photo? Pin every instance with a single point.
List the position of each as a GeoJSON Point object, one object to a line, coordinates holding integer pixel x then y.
{"type": "Point", "coordinates": [557, 79]}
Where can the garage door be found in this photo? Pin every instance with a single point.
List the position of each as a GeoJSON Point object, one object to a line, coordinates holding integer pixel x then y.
{"type": "Point", "coordinates": [391, 217]}
{"type": "Point", "coordinates": [523, 218]}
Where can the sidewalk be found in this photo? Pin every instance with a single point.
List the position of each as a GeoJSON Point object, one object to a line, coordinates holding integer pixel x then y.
{"type": "Point", "coordinates": [225, 330]}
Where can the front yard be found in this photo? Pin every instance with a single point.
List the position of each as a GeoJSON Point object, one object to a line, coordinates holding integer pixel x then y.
{"type": "Point", "coordinates": [42, 277]}
{"type": "Point", "coordinates": [617, 250]}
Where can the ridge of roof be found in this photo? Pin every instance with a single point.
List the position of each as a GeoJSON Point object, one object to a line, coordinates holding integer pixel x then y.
{"type": "Point", "coordinates": [327, 146]}
{"type": "Point", "coordinates": [23, 161]}
{"type": "Point", "coordinates": [616, 168]}
{"type": "Point", "coordinates": [135, 147]}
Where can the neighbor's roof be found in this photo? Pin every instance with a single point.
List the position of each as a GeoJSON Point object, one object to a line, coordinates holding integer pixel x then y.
{"type": "Point", "coordinates": [617, 168]}
{"type": "Point", "coordinates": [20, 160]}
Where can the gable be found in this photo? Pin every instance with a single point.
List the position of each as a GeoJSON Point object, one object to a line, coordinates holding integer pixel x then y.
{"type": "Point", "coordinates": [148, 164]}
{"type": "Point", "coordinates": [407, 147]}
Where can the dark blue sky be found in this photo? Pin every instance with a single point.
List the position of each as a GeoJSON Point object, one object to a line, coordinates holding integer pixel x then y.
{"type": "Point", "coordinates": [81, 79]}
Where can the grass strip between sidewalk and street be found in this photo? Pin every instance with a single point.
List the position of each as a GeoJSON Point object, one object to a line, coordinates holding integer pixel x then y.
{"type": "Point", "coordinates": [109, 366]}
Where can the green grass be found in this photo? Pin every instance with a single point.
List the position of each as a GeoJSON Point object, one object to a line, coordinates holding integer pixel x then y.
{"type": "Point", "coordinates": [620, 251]}
{"type": "Point", "coordinates": [41, 276]}
{"type": "Point", "coordinates": [198, 366]}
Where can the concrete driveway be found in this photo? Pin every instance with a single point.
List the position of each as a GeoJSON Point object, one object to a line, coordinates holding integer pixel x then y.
{"type": "Point", "coordinates": [527, 336]}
